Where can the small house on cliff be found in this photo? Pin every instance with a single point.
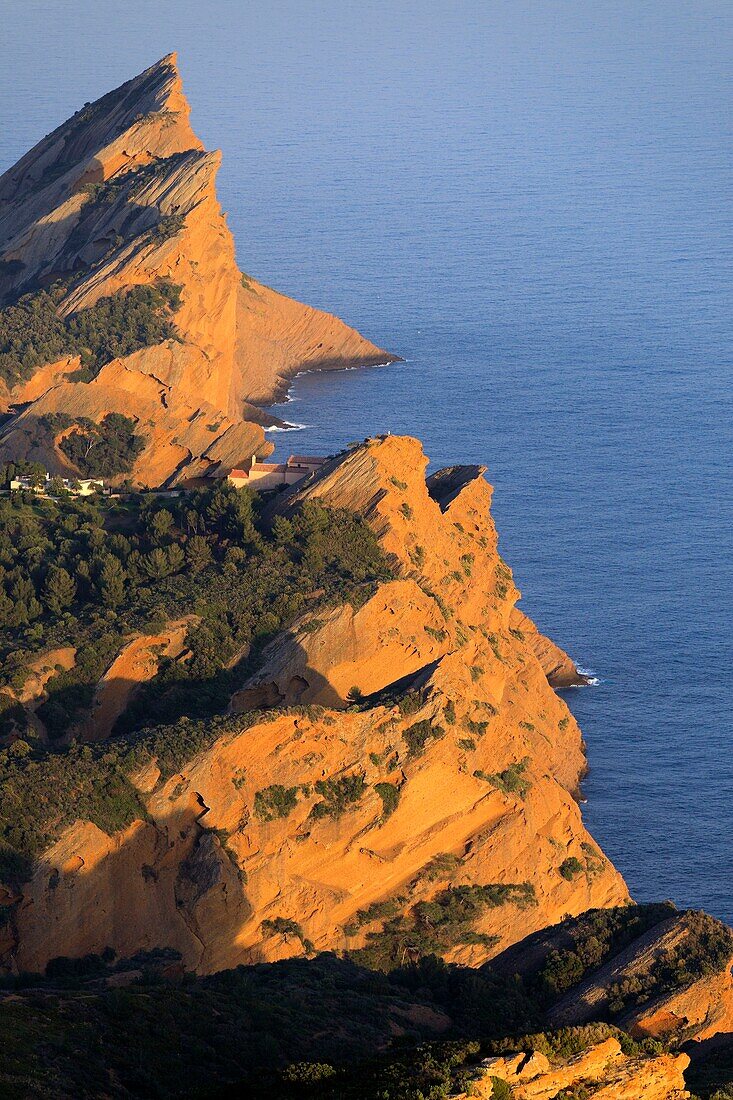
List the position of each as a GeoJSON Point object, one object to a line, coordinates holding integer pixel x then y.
{"type": "Point", "coordinates": [48, 485]}
{"type": "Point", "coordinates": [274, 475]}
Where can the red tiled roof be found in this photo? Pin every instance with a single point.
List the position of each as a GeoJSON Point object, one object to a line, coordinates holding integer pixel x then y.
{"type": "Point", "coordinates": [306, 460]}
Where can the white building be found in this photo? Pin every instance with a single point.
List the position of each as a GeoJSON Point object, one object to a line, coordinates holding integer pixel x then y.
{"type": "Point", "coordinates": [83, 487]}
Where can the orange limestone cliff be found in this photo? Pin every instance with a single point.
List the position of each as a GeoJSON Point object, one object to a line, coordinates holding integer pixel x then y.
{"type": "Point", "coordinates": [409, 749]}
{"type": "Point", "coordinates": [123, 196]}
{"type": "Point", "coordinates": [602, 1071]}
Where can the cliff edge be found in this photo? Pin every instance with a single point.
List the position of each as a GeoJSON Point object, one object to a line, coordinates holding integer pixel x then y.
{"type": "Point", "coordinates": [120, 293]}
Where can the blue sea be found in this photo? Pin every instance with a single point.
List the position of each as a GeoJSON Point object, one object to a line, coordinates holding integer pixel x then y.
{"type": "Point", "coordinates": [529, 202]}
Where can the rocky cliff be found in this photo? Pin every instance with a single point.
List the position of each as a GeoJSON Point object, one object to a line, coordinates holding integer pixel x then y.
{"type": "Point", "coordinates": [603, 1071]}
{"type": "Point", "coordinates": [395, 778]}
{"type": "Point", "coordinates": [122, 196]}
{"type": "Point", "coordinates": [402, 751]}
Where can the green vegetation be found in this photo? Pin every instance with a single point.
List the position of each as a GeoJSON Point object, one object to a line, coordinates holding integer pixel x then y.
{"type": "Point", "coordinates": [118, 569]}
{"type": "Point", "coordinates": [600, 934]}
{"type": "Point", "coordinates": [275, 801]}
{"type": "Point", "coordinates": [417, 736]}
{"type": "Point", "coordinates": [390, 796]}
{"type": "Point", "coordinates": [418, 556]}
{"type": "Point", "coordinates": [41, 794]}
{"type": "Point", "coordinates": [169, 226]}
{"type": "Point", "coordinates": [299, 1028]}
{"type": "Point", "coordinates": [285, 926]}
{"type": "Point", "coordinates": [378, 910]}
{"type": "Point", "coordinates": [32, 333]}
{"type": "Point", "coordinates": [510, 781]}
{"type": "Point", "coordinates": [705, 951]}
{"type": "Point", "coordinates": [570, 868]}
{"type": "Point", "coordinates": [127, 568]}
{"type": "Point", "coordinates": [100, 450]}
{"type": "Point", "coordinates": [411, 702]}
{"type": "Point", "coordinates": [432, 927]}
{"type": "Point", "coordinates": [441, 866]}
{"type": "Point", "coordinates": [467, 561]}
{"type": "Point", "coordinates": [339, 795]}
{"type": "Point", "coordinates": [503, 577]}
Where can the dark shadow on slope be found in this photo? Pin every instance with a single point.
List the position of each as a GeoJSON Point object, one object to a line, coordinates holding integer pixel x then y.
{"type": "Point", "coordinates": [445, 485]}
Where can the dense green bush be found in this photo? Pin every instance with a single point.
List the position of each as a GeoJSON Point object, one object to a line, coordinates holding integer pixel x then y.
{"type": "Point", "coordinates": [596, 936]}
{"type": "Point", "coordinates": [275, 801]}
{"type": "Point", "coordinates": [105, 449]}
{"type": "Point", "coordinates": [418, 735]}
{"type": "Point", "coordinates": [129, 566]}
{"type": "Point", "coordinates": [338, 795]}
{"type": "Point", "coordinates": [101, 587]}
{"type": "Point", "coordinates": [510, 781]}
{"type": "Point", "coordinates": [570, 868]}
{"type": "Point", "coordinates": [390, 796]}
{"type": "Point", "coordinates": [42, 793]}
{"type": "Point", "coordinates": [32, 333]}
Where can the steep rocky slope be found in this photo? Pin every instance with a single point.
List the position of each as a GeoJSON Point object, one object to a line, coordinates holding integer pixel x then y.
{"type": "Point", "coordinates": [123, 196]}
{"type": "Point", "coordinates": [316, 824]}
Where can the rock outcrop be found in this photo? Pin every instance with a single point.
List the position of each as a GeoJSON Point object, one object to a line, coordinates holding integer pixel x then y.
{"type": "Point", "coordinates": [602, 1071]}
{"type": "Point", "coordinates": [122, 196]}
{"type": "Point", "coordinates": [654, 971]}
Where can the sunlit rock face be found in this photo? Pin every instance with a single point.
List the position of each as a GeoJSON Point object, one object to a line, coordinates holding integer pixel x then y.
{"type": "Point", "coordinates": [124, 195]}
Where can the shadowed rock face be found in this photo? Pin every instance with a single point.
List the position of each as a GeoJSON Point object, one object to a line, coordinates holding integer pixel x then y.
{"type": "Point", "coordinates": [122, 195]}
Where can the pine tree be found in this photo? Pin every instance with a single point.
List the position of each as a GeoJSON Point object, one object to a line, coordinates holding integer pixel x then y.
{"type": "Point", "coordinates": [59, 590]}
{"type": "Point", "coordinates": [198, 553]}
{"type": "Point", "coordinates": [111, 582]}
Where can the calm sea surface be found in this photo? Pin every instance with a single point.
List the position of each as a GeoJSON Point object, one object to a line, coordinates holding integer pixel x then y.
{"type": "Point", "coordinates": [530, 202]}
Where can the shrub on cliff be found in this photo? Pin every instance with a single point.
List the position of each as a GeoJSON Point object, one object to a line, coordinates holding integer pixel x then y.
{"type": "Point", "coordinates": [390, 796]}
{"type": "Point", "coordinates": [596, 936]}
{"type": "Point", "coordinates": [432, 927]}
{"type": "Point", "coordinates": [338, 794]}
{"type": "Point", "coordinates": [570, 868]}
{"type": "Point", "coordinates": [510, 781]}
{"type": "Point", "coordinates": [127, 567]}
{"type": "Point", "coordinates": [275, 801]}
{"type": "Point", "coordinates": [32, 333]}
{"type": "Point", "coordinates": [42, 793]}
{"type": "Point", "coordinates": [105, 449]}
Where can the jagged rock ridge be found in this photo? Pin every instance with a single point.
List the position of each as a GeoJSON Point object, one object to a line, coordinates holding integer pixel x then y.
{"type": "Point", "coordinates": [123, 195]}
